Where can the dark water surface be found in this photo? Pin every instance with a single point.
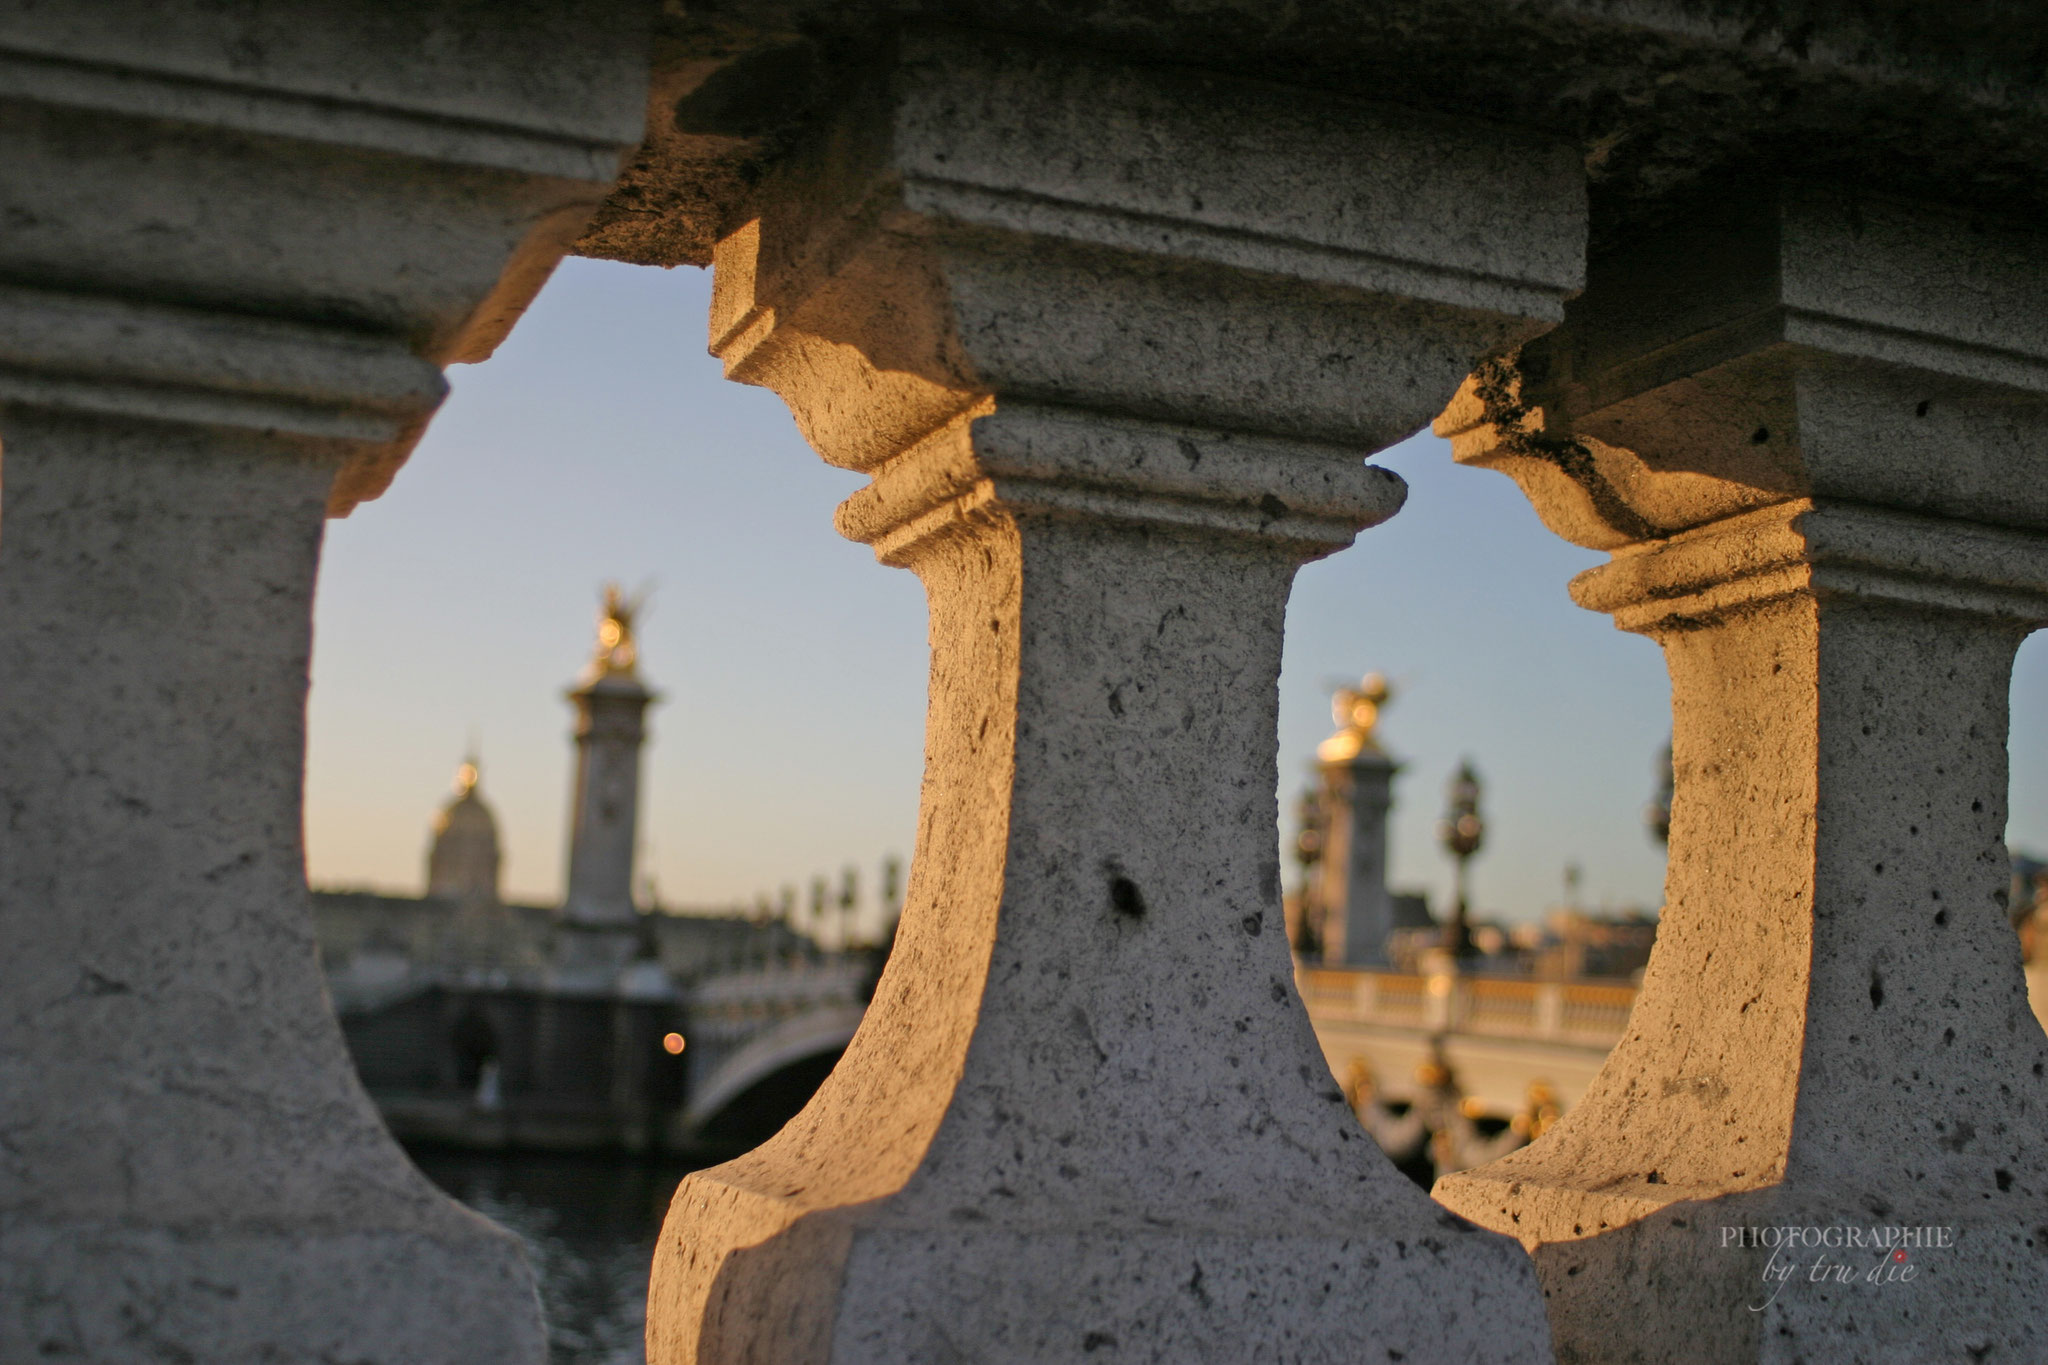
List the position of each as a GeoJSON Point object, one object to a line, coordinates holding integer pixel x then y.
{"type": "Point", "coordinates": [589, 1224]}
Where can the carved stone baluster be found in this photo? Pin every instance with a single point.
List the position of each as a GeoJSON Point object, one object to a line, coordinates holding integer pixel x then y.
{"type": "Point", "coordinates": [1112, 344]}
{"type": "Point", "coordinates": [239, 245]}
{"type": "Point", "coordinates": [1813, 430]}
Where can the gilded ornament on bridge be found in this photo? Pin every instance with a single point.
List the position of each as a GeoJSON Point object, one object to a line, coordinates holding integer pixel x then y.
{"type": "Point", "coordinates": [616, 652]}
{"type": "Point", "coordinates": [1356, 710]}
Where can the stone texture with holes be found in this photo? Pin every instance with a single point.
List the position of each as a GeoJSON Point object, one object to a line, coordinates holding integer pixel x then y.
{"type": "Point", "coordinates": [240, 243]}
{"type": "Point", "coordinates": [1939, 102]}
{"type": "Point", "coordinates": [1812, 427]}
{"type": "Point", "coordinates": [1113, 364]}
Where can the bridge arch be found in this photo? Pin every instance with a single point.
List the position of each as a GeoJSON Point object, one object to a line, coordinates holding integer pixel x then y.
{"type": "Point", "coordinates": [757, 1089]}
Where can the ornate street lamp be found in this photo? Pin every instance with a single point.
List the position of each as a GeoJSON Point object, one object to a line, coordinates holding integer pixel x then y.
{"type": "Point", "coordinates": [1461, 831]}
{"type": "Point", "coordinates": [849, 905]}
{"type": "Point", "coordinates": [1308, 855]}
{"type": "Point", "coordinates": [892, 888]}
{"type": "Point", "coordinates": [1657, 815]}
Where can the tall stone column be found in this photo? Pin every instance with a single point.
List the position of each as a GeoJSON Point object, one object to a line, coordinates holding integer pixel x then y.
{"type": "Point", "coordinates": [1358, 792]}
{"type": "Point", "coordinates": [239, 246]}
{"type": "Point", "coordinates": [604, 813]}
{"type": "Point", "coordinates": [1112, 343]}
{"type": "Point", "coordinates": [1813, 431]}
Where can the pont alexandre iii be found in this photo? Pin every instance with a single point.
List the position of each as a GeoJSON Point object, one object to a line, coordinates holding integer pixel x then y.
{"type": "Point", "coordinates": [1113, 302]}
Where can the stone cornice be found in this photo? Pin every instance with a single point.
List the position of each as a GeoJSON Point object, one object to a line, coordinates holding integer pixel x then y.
{"type": "Point", "coordinates": [930, 205]}
{"type": "Point", "coordinates": [162, 362]}
{"type": "Point", "coordinates": [1656, 94]}
{"type": "Point", "coordinates": [1335, 190]}
{"type": "Point", "coordinates": [1785, 334]}
{"type": "Point", "coordinates": [1600, 496]}
{"type": "Point", "coordinates": [1026, 458]}
{"type": "Point", "coordinates": [107, 87]}
{"type": "Point", "coordinates": [910, 255]}
{"type": "Point", "coordinates": [1798, 548]}
{"type": "Point", "coordinates": [331, 205]}
{"type": "Point", "coordinates": [1796, 342]}
{"type": "Point", "coordinates": [1799, 273]}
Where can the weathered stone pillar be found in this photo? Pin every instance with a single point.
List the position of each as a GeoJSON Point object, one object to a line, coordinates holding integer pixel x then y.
{"type": "Point", "coordinates": [239, 243]}
{"type": "Point", "coordinates": [604, 804]}
{"type": "Point", "coordinates": [1813, 430]}
{"type": "Point", "coordinates": [1358, 910]}
{"type": "Point", "coordinates": [1112, 343]}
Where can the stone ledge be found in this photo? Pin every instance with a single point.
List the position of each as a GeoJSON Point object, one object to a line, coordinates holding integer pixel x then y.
{"type": "Point", "coordinates": [1053, 460]}
{"type": "Point", "coordinates": [98, 354]}
{"type": "Point", "coordinates": [1658, 97]}
{"type": "Point", "coordinates": [424, 135]}
{"type": "Point", "coordinates": [1834, 549]}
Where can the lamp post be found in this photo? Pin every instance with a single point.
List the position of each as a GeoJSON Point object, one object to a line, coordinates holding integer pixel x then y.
{"type": "Point", "coordinates": [1307, 929]}
{"type": "Point", "coordinates": [1657, 815]}
{"type": "Point", "coordinates": [1461, 831]}
{"type": "Point", "coordinates": [892, 890]}
{"type": "Point", "coordinates": [849, 904]}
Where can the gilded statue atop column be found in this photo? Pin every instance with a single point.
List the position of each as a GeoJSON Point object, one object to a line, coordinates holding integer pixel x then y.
{"type": "Point", "coordinates": [616, 652]}
{"type": "Point", "coordinates": [1356, 710]}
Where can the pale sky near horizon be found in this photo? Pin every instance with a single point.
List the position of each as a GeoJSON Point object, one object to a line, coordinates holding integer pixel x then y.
{"type": "Point", "coordinates": [601, 443]}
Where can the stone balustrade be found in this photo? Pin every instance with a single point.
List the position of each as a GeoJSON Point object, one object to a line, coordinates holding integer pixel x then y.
{"type": "Point", "coordinates": [1811, 431]}
{"type": "Point", "coordinates": [1496, 1035]}
{"type": "Point", "coordinates": [1111, 301]}
{"type": "Point", "coordinates": [1580, 1011]}
{"type": "Point", "coordinates": [240, 242]}
{"type": "Point", "coordinates": [960, 288]}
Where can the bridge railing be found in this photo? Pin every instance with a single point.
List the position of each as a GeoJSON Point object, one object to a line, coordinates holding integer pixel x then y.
{"type": "Point", "coordinates": [1563, 1011]}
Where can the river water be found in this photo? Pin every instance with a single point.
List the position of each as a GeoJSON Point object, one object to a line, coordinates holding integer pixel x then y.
{"type": "Point", "coordinates": [589, 1224]}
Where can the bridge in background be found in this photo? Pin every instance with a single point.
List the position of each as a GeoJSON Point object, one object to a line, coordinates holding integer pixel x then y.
{"type": "Point", "coordinates": [761, 1042]}
{"type": "Point", "coordinates": [643, 1061]}
{"type": "Point", "coordinates": [1497, 1035]}
{"type": "Point", "coordinates": [498, 1059]}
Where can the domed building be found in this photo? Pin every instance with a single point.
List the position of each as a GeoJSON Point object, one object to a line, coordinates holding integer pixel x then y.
{"type": "Point", "coordinates": [463, 858]}
{"type": "Point", "coordinates": [561, 1027]}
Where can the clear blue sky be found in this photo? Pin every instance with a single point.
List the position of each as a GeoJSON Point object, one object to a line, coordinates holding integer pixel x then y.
{"type": "Point", "coordinates": [603, 443]}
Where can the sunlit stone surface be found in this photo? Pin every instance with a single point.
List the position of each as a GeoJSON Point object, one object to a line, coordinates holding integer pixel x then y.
{"type": "Point", "coordinates": [237, 252]}
{"type": "Point", "coordinates": [1822, 466]}
{"type": "Point", "coordinates": [1110, 298]}
{"type": "Point", "coordinates": [1085, 1113]}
